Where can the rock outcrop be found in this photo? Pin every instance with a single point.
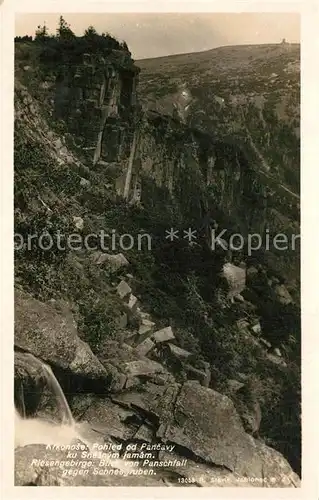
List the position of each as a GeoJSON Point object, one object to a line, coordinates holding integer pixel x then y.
{"type": "Point", "coordinates": [202, 424]}
{"type": "Point", "coordinates": [236, 279]}
{"type": "Point", "coordinates": [52, 337]}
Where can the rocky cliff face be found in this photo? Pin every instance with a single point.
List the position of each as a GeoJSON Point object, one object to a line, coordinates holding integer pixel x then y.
{"type": "Point", "coordinates": [97, 101]}
{"type": "Point", "coordinates": [89, 157]}
{"type": "Point", "coordinates": [201, 171]}
{"type": "Point", "coordinates": [116, 131]}
{"type": "Point", "coordinates": [249, 91]}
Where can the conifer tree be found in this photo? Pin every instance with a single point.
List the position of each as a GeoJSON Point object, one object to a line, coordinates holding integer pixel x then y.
{"type": "Point", "coordinates": [41, 33]}
{"type": "Point", "coordinates": [64, 31]}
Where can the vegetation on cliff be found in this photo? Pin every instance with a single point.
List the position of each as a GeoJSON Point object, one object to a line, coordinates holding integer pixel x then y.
{"type": "Point", "coordinates": [178, 283]}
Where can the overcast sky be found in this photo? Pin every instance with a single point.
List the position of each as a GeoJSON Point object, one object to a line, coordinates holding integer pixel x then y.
{"type": "Point", "coordinates": [154, 35]}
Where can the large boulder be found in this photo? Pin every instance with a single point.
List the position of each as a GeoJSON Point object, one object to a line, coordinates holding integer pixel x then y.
{"type": "Point", "coordinates": [107, 419]}
{"type": "Point", "coordinates": [123, 289]}
{"type": "Point", "coordinates": [145, 347]}
{"type": "Point", "coordinates": [215, 437]}
{"type": "Point", "coordinates": [52, 336]}
{"type": "Point", "coordinates": [132, 364]}
{"type": "Point", "coordinates": [236, 279]}
{"type": "Point", "coordinates": [173, 417]}
{"type": "Point", "coordinates": [283, 295]}
{"type": "Point", "coordinates": [143, 367]}
{"type": "Point", "coordinates": [115, 262]}
{"type": "Point", "coordinates": [164, 335]}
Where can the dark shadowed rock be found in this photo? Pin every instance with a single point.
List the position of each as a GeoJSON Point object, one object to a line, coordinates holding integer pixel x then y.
{"type": "Point", "coordinates": [79, 403]}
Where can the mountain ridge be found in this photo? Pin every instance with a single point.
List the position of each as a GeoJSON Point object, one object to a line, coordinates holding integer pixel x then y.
{"type": "Point", "coordinates": [222, 47]}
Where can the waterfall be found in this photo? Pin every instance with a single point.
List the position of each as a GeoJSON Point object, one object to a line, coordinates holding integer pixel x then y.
{"type": "Point", "coordinates": [130, 166]}
{"type": "Point", "coordinates": [38, 430]}
{"type": "Point", "coordinates": [53, 384]}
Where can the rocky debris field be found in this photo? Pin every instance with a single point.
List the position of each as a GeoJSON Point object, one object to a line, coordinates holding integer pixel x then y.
{"type": "Point", "coordinates": [142, 402]}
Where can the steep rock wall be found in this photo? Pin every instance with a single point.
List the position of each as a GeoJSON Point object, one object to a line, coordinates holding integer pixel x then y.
{"type": "Point", "coordinates": [96, 99]}
{"type": "Point", "coordinates": [197, 174]}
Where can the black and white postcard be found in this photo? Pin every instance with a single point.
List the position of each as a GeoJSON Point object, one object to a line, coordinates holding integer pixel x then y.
{"type": "Point", "coordinates": [156, 236]}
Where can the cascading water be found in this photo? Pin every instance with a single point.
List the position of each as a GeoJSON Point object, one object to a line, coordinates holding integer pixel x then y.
{"type": "Point", "coordinates": [42, 431]}
{"type": "Point", "coordinates": [52, 383]}
{"type": "Point", "coordinates": [38, 430]}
